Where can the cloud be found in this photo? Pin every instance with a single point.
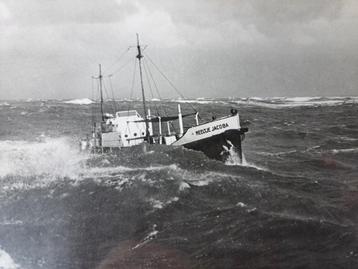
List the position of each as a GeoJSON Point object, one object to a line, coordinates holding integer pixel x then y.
{"type": "Point", "coordinates": [51, 47]}
{"type": "Point", "coordinates": [43, 12]}
{"type": "Point", "coordinates": [259, 22]}
{"type": "Point", "coordinates": [4, 12]}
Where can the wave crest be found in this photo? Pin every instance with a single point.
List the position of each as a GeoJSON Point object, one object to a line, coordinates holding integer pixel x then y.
{"type": "Point", "coordinates": [56, 157]}
{"type": "Point", "coordinates": [84, 101]}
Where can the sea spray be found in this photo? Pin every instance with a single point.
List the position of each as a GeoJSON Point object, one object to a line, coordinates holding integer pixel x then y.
{"type": "Point", "coordinates": [55, 157]}
{"type": "Point", "coordinates": [6, 262]}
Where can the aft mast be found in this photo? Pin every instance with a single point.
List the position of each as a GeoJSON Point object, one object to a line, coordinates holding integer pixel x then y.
{"type": "Point", "coordinates": [139, 57]}
{"type": "Point", "coordinates": [100, 90]}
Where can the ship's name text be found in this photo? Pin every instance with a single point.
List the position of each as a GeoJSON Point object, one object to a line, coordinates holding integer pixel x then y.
{"type": "Point", "coordinates": [212, 128]}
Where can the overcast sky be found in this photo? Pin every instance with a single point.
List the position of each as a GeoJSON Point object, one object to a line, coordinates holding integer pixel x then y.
{"type": "Point", "coordinates": [213, 48]}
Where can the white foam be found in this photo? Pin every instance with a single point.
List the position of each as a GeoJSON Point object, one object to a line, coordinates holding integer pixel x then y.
{"type": "Point", "coordinates": [251, 165]}
{"type": "Point", "coordinates": [6, 262]}
{"type": "Point", "coordinates": [234, 159]}
{"type": "Point", "coordinates": [152, 235]}
{"type": "Point", "coordinates": [183, 186]}
{"type": "Point", "coordinates": [156, 203]}
{"type": "Point", "coordinates": [346, 138]}
{"type": "Point", "coordinates": [199, 179]}
{"type": "Point", "coordinates": [159, 204]}
{"type": "Point", "coordinates": [282, 102]}
{"type": "Point", "coordinates": [335, 151]}
{"type": "Point", "coordinates": [11, 222]}
{"type": "Point", "coordinates": [195, 101]}
{"type": "Point", "coordinates": [241, 204]}
{"type": "Point", "coordinates": [300, 99]}
{"type": "Point", "coordinates": [84, 101]}
{"type": "Point", "coordinates": [55, 157]}
{"type": "Point", "coordinates": [114, 171]}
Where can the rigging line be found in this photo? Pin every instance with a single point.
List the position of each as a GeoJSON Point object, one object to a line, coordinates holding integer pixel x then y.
{"type": "Point", "coordinates": [121, 68]}
{"type": "Point", "coordinates": [98, 92]}
{"type": "Point", "coordinates": [156, 88]}
{"type": "Point", "coordinates": [150, 73]}
{"type": "Point", "coordinates": [133, 82]}
{"type": "Point", "coordinates": [155, 85]}
{"type": "Point", "coordinates": [171, 84]}
{"type": "Point", "coordinates": [92, 97]}
{"type": "Point", "coordinates": [111, 87]}
{"type": "Point", "coordinates": [150, 86]}
{"type": "Point", "coordinates": [119, 58]}
{"type": "Point", "coordinates": [108, 97]}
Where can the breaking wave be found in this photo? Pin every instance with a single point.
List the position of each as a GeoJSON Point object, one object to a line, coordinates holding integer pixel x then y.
{"type": "Point", "coordinates": [197, 101]}
{"type": "Point", "coordinates": [275, 102]}
{"type": "Point", "coordinates": [233, 159]}
{"type": "Point", "coordinates": [6, 262]}
{"type": "Point", "coordinates": [335, 151]}
{"type": "Point", "coordinates": [84, 101]}
{"type": "Point", "coordinates": [55, 157]}
{"type": "Point", "coordinates": [282, 102]}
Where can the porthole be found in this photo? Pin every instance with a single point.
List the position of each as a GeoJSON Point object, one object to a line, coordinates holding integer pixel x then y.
{"type": "Point", "coordinates": [135, 134]}
{"type": "Point", "coordinates": [125, 135]}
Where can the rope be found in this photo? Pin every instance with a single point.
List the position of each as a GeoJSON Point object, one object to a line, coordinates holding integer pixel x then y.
{"type": "Point", "coordinates": [108, 97]}
{"type": "Point", "coordinates": [119, 58]}
{"type": "Point", "coordinates": [92, 106]}
{"type": "Point", "coordinates": [155, 85]}
{"type": "Point", "coordinates": [156, 88]}
{"type": "Point", "coordinates": [133, 82]}
{"type": "Point", "coordinates": [170, 83]}
{"type": "Point", "coordinates": [121, 68]}
{"type": "Point", "coordinates": [98, 92]}
{"type": "Point", "coordinates": [111, 87]}
{"type": "Point", "coordinates": [150, 86]}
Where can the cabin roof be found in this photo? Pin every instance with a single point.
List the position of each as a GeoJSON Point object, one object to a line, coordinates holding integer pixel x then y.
{"type": "Point", "coordinates": [127, 113]}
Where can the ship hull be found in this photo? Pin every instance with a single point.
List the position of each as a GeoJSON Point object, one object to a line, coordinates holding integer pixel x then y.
{"type": "Point", "coordinates": [218, 139]}
{"type": "Point", "coordinates": [219, 146]}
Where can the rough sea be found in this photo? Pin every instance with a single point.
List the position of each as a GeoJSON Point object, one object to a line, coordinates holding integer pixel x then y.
{"type": "Point", "coordinates": [293, 203]}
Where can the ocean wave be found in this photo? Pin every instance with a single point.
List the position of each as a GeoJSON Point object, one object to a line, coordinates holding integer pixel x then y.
{"type": "Point", "coordinates": [26, 165]}
{"type": "Point", "coordinates": [335, 151]}
{"type": "Point", "coordinates": [108, 171]}
{"type": "Point", "coordinates": [6, 262]}
{"type": "Point", "coordinates": [54, 157]}
{"type": "Point", "coordinates": [157, 204]}
{"type": "Point", "coordinates": [300, 99]}
{"type": "Point", "coordinates": [201, 101]}
{"type": "Point", "coordinates": [152, 235]}
{"type": "Point", "coordinates": [283, 102]}
{"type": "Point", "coordinates": [275, 102]}
{"type": "Point", "coordinates": [234, 159]}
{"type": "Point", "coordinates": [280, 153]}
{"type": "Point", "coordinates": [84, 101]}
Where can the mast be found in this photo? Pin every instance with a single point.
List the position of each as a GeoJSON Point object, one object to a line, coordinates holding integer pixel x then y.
{"type": "Point", "coordinates": [100, 89]}
{"type": "Point", "coordinates": [139, 57]}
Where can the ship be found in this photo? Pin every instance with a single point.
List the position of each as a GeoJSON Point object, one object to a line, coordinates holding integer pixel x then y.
{"type": "Point", "coordinates": [217, 138]}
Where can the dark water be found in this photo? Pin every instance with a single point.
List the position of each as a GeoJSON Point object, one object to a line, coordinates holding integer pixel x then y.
{"type": "Point", "coordinates": [293, 204]}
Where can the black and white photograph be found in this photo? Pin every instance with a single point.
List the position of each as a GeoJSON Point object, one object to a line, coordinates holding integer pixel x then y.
{"type": "Point", "coordinates": [192, 134]}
